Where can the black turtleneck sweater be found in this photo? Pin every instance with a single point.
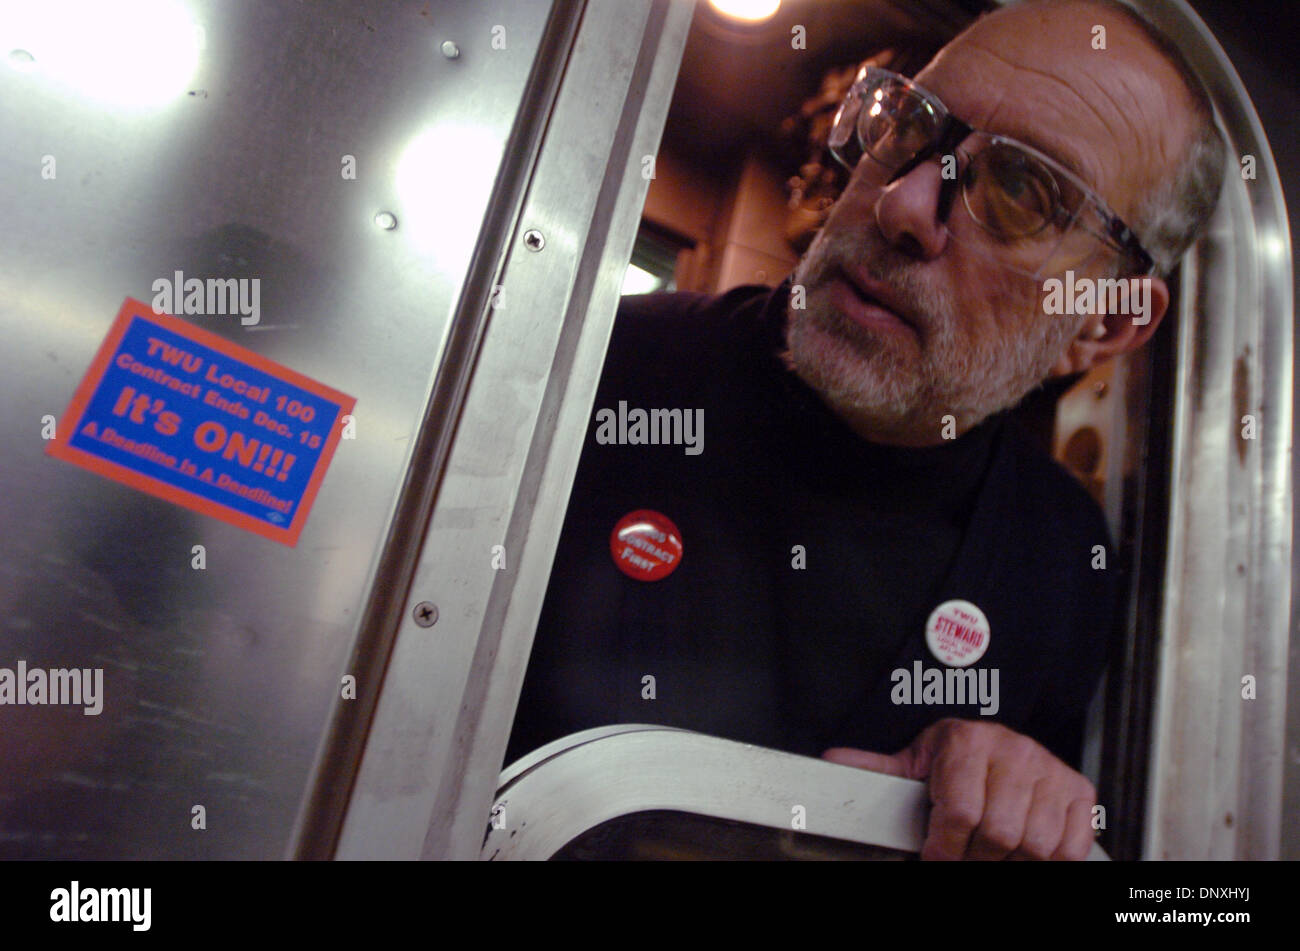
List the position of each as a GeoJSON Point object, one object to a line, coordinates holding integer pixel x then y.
{"type": "Point", "coordinates": [743, 644]}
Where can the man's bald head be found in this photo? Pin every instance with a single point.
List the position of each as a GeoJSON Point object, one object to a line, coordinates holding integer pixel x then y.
{"type": "Point", "coordinates": [1176, 194]}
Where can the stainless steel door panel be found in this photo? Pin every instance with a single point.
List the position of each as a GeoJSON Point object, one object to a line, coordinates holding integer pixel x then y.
{"type": "Point", "coordinates": [211, 138]}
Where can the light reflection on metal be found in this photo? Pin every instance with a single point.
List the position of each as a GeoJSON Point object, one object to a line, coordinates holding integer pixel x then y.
{"type": "Point", "coordinates": [446, 173]}
{"type": "Point", "coordinates": [128, 53]}
{"type": "Point", "coordinates": [219, 683]}
{"type": "Point", "coordinates": [1216, 762]}
{"type": "Point", "coordinates": [434, 748]}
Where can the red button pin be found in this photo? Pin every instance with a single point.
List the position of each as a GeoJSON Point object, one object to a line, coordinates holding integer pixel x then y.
{"type": "Point", "coordinates": [646, 545]}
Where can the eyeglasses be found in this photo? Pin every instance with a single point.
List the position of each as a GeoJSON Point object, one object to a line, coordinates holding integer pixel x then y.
{"type": "Point", "coordinates": [1043, 218]}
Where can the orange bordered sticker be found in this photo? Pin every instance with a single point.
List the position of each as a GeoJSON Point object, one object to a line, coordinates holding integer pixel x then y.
{"type": "Point", "coordinates": [178, 412]}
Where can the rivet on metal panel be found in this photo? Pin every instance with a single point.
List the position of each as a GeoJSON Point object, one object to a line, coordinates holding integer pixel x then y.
{"type": "Point", "coordinates": [426, 614]}
{"type": "Point", "coordinates": [386, 220]}
{"type": "Point", "coordinates": [450, 49]}
{"type": "Point", "coordinates": [533, 240]}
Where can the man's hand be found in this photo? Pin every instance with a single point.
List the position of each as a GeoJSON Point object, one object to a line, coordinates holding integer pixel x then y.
{"type": "Point", "coordinates": [995, 793]}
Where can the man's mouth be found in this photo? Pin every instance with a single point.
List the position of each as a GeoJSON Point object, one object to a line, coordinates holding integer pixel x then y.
{"type": "Point", "coordinates": [868, 303]}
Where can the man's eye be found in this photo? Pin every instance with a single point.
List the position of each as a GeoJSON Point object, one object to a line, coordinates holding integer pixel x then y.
{"type": "Point", "coordinates": [1015, 197]}
{"type": "Point", "coordinates": [1024, 191]}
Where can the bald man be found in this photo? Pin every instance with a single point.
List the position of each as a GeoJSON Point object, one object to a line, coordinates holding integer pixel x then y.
{"type": "Point", "coordinates": [875, 564]}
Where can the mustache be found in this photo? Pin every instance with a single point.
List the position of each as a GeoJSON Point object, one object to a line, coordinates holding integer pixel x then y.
{"type": "Point", "coordinates": [881, 262]}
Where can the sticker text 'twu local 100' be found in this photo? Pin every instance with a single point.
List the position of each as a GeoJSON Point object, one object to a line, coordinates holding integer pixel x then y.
{"type": "Point", "coordinates": [185, 415]}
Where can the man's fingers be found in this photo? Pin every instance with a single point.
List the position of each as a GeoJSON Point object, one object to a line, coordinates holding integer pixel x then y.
{"type": "Point", "coordinates": [994, 794]}
{"type": "Point", "coordinates": [1007, 802]}
{"type": "Point", "coordinates": [1077, 841]}
{"type": "Point", "coordinates": [957, 788]}
{"type": "Point", "coordinates": [876, 762]}
{"type": "Point", "coordinates": [1044, 828]}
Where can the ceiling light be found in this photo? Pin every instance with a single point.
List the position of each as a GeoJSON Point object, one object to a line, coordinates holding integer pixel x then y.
{"type": "Point", "coordinates": [749, 11]}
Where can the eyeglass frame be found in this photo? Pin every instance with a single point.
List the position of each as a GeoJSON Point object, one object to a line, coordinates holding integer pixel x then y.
{"type": "Point", "coordinates": [951, 132]}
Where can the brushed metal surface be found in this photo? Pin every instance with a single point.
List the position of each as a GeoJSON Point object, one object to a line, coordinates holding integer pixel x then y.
{"type": "Point", "coordinates": [440, 732]}
{"type": "Point", "coordinates": [1217, 756]}
{"type": "Point", "coordinates": [211, 137]}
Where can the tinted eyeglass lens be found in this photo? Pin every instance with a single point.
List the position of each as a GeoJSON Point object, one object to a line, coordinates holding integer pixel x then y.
{"type": "Point", "coordinates": [897, 125]}
{"type": "Point", "coordinates": [1010, 193]}
{"type": "Point", "coordinates": [1018, 199]}
{"type": "Point", "coordinates": [1031, 212]}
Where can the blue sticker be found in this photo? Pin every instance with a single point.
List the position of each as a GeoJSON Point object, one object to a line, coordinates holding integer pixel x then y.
{"type": "Point", "coordinates": [190, 417]}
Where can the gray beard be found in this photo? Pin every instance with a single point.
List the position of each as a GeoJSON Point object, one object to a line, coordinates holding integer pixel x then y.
{"type": "Point", "coordinates": [901, 388]}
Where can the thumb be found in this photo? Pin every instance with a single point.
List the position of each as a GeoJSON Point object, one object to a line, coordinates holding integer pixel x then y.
{"type": "Point", "coordinates": [898, 764]}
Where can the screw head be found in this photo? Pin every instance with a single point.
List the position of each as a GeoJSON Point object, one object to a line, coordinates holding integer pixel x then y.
{"type": "Point", "coordinates": [426, 614]}
{"type": "Point", "coordinates": [533, 240]}
{"type": "Point", "coordinates": [450, 49]}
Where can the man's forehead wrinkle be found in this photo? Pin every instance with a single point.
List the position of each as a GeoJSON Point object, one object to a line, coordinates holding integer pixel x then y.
{"type": "Point", "coordinates": [1034, 137]}
{"type": "Point", "coordinates": [1134, 152]}
{"type": "Point", "coordinates": [1133, 112]}
{"type": "Point", "coordinates": [1124, 143]}
{"type": "Point", "coordinates": [1150, 108]}
{"type": "Point", "coordinates": [1062, 150]}
{"type": "Point", "coordinates": [1148, 150]}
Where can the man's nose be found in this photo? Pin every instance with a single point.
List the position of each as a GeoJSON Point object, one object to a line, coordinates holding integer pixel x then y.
{"type": "Point", "coordinates": [913, 210]}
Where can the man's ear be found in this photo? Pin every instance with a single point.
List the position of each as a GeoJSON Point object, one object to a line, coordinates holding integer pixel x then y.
{"type": "Point", "coordinates": [1103, 336]}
